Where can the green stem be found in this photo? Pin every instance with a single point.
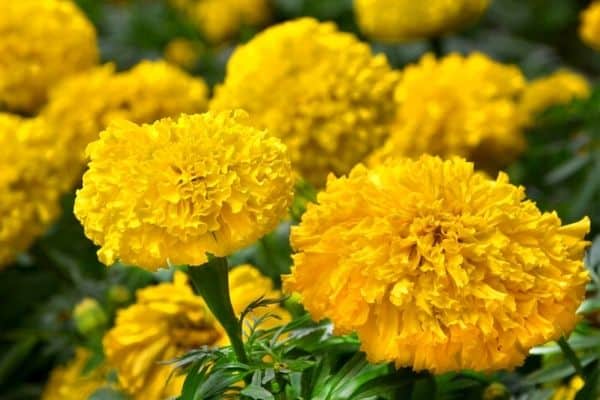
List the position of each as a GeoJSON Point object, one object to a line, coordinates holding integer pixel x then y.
{"type": "Point", "coordinates": [570, 355]}
{"type": "Point", "coordinates": [212, 283]}
{"type": "Point", "coordinates": [437, 46]}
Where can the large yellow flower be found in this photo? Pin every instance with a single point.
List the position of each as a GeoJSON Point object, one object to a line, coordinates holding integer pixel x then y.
{"type": "Point", "coordinates": [321, 91]}
{"type": "Point", "coordinates": [465, 106]}
{"type": "Point", "coordinates": [69, 382]}
{"type": "Point", "coordinates": [31, 181]}
{"type": "Point", "coordinates": [146, 93]}
{"type": "Point", "coordinates": [166, 321]}
{"type": "Point", "coordinates": [401, 20]}
{"type": "Point", "coordinates": [438, 267]}
{"type": "Point", "coordinates": [589, 29]}
{"type": "Point", "coordinates": [558, 88]}
{"type": "Point", "coordinates": [41, 42]}
{"type": "Point", "coordinates": [175, 190]}
{"type": "Point", "coordinates": [220, 20]}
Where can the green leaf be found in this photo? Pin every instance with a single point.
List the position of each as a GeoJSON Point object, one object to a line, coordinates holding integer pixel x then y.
{"type": "Point", "coordinates": [257, 393]}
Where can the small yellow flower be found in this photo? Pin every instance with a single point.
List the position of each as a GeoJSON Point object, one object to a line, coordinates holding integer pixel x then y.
{"type": "Point", "coordinates": [69, 382]}
{"type": "Point", "coordinates": [457, 106]}
{"type": "Point", "coordinates": [589, 29]}
{"type": "Point", "coordinates": [89, 316]}
{"type": "Point", "coordinates": [402, 20]}
{"type": "Point", "coordinates": [173, 191]}
{"type": "Point", "coordinates": [569, 392]}
{"type": "Point", "coordinates": [560, 87]}
{"type": "Point", "coordinates": [438, 267]}
{"type": "Point", "coordinates": [320, 90]}
{"type": "Point", "coordinates": [41, 42]}
{"type": "Point", "coordinates": [182, 52]}
{"type": "Point", "coordinates": [31, 182]}
{"type": "Point", "coordinates": [81, 107]}
{"type": "Point", "coordinates": [166, 321]}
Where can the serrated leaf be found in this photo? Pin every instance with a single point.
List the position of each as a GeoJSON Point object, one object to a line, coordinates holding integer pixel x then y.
{"type": "Point", "coordinates": [257, 393]}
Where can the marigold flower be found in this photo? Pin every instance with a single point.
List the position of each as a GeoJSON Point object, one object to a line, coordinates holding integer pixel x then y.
{"type": "Point", "coordinates": [438, 267]}
{"type": "Point", "coordinates": [463, 106]}
{"type": "Point", "coordinates": [589, 29]}
{"type": "Point", "coordinates": [401, 20]}
{"type": "Point", "coordinates": [220, 20]}
{"type": "Point", "coordinates": [182, 52]}
{"type": "Point", "coordinates": [144, 94]}
{"type": "Point", "coordinates": [166, 321]}
{"type": "Point", "coordinates": [560, 87]}
{"type": "Point", "coordinates": [320, 90]}
{"type": "Point", "coordinates": [31, 182]}
{"type": "Point", "coordinates": [69, 382]}
{"type": "Point", "coordinates": [178, 189]}
{"type": "Point", "coordinates": [42, 41]}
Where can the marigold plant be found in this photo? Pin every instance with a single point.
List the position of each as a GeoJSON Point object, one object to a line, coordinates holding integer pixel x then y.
{"type": "Point", "coordinates": [41, 42]}
{"type": "Point", "coordinates": [173, 191]}
{"type": "Point", "coordinates": [401, 20]}
{"type": "Point", "coordinates": [589, 29]}
{"type": "Point", "coordinates": [320, 90]}
{"type": "Point", "coordinates": [438, 267]}
{"type": "Point", "coordinates": [457, 106]}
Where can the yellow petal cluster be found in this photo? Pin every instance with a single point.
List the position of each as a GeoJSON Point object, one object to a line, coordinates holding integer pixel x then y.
{"type": "Point", "coordinates": [560, 87]}
{"type": "Point", "coordinates": [320, 90]}
{"type": "Point", "coordinates": [438, 267]}
{"type": "Point", "coordinates": [569, 392]}
{"type": "Point", "coordinates": [457, 106]}
{"type": "Point", "coordinates": [220, 20]}
{"type": "Point", "coordinates": [31, 182]}
{"type": "Point", "coordinates": [175, 190]}
{"type": "Point", "coordinates": [84, 105]}
{"type": "Point", "coordinates": [166, 321]}
{"type": "Point", "coordinates": [402, 20]}
{"type": "Point", "coordinates": [589, 28]}
{"type": "Point", "coordinates": [41, 42]}
{"type": "Point", "coordinates": [69, 382]}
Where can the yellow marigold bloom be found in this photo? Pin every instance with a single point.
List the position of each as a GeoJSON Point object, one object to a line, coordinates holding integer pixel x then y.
{"type": "Point", "coordinates": [69, 382]}
{"type": "Point", "coordinates": [401, 20]}
{"type": "Point", "coordinates": [438, 267]}
{"type": "Point", "coordinates": [589, 29]}
{"type": "Point", "coordinates": [560, 87]}
{"type": "Point", "coordinates": [463, 106]}
{"type": "Point", "coordinates": [182, 52]}
{"type": "Point", "coordinates": [42, 41]}
{"type": "Point", "coordinates": [31, 182]}
{"type": "Point", "coordinates": [220, 20]}
{"type": "Point", "coordinates": [569, 392]}
{"type": "Point", "coordinates": [166, 321]}
{"type": "Point", "coordinates": [320, 90]}
{"type": "Point", "coordinates": [175, 190]}
{"type": "Point", "coordinates": [144, 94]}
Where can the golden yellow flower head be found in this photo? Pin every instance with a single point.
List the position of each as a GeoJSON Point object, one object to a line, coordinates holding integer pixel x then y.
{"type": "Point", "coordinates": [175, 190]}
{"type": "Point", "coordinates": [166, 321]}
{"type": "Point", "coordinates": [42, 41]}
{"type": "Point", "coordinates": [401, 20]}
{"type": "Point", "coordinates": [144, 94]}
{"type": "Point", "coordinates": [589, 29]}
{"type": "Point", "coordinates": [438, 267]}
{"type": "Point", "coordinates": [31, 182]}
{"type": "Point", "coordinates": [320, 90]}
{"type": "Point", "coordinates": [220, 20]}
{"type": "Point", "coordinates": [463, 106]}
{"type": "Point", "coordinates": [183, 52]}
{"type": "Point", "coordinates": [69, 382]}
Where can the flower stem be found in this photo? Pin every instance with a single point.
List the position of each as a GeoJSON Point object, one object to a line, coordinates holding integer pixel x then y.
{"type": "Point", "coordinates": [437, 46]}
{"type": "Point", "coordinates": [212, 283]}
{"type": "Point", "coordinates": [570, 355]}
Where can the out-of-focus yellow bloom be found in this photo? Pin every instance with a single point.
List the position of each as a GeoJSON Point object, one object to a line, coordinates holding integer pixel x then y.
{"type": "Point", "coordinates": [82, 106]}
{"type": "Point", "coordinates": [569, 392]}
{"type": "Point", "coordinates": [31, 181]}
{"type": "Point", "coordinates": [89, 316]}
{"type": "Point", "coordinates": [560, 87]}
{"type": "Point", "coordinates": [220, 20]}
{"type": "Point", "coordinates": [182, 52]}
{"type": "Point", "coordinates": [41, 42]}
{"type": "Point", "coordinates": [438, 267]}
{"type": "Point", "coordinates": [463, 106]}
{"type": "Point", "coordinates": [320, 90]}
{"type": "Point", "coordinates": [69, 382]}
{"type": "Point", "coordinates": [166, 321]}
{"type": "Point", "coordinates": [401, 20]}
{"type": "Point", "coordinates": [589, 29]}
{"type": "Point", "coordinates": [173, 191]}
